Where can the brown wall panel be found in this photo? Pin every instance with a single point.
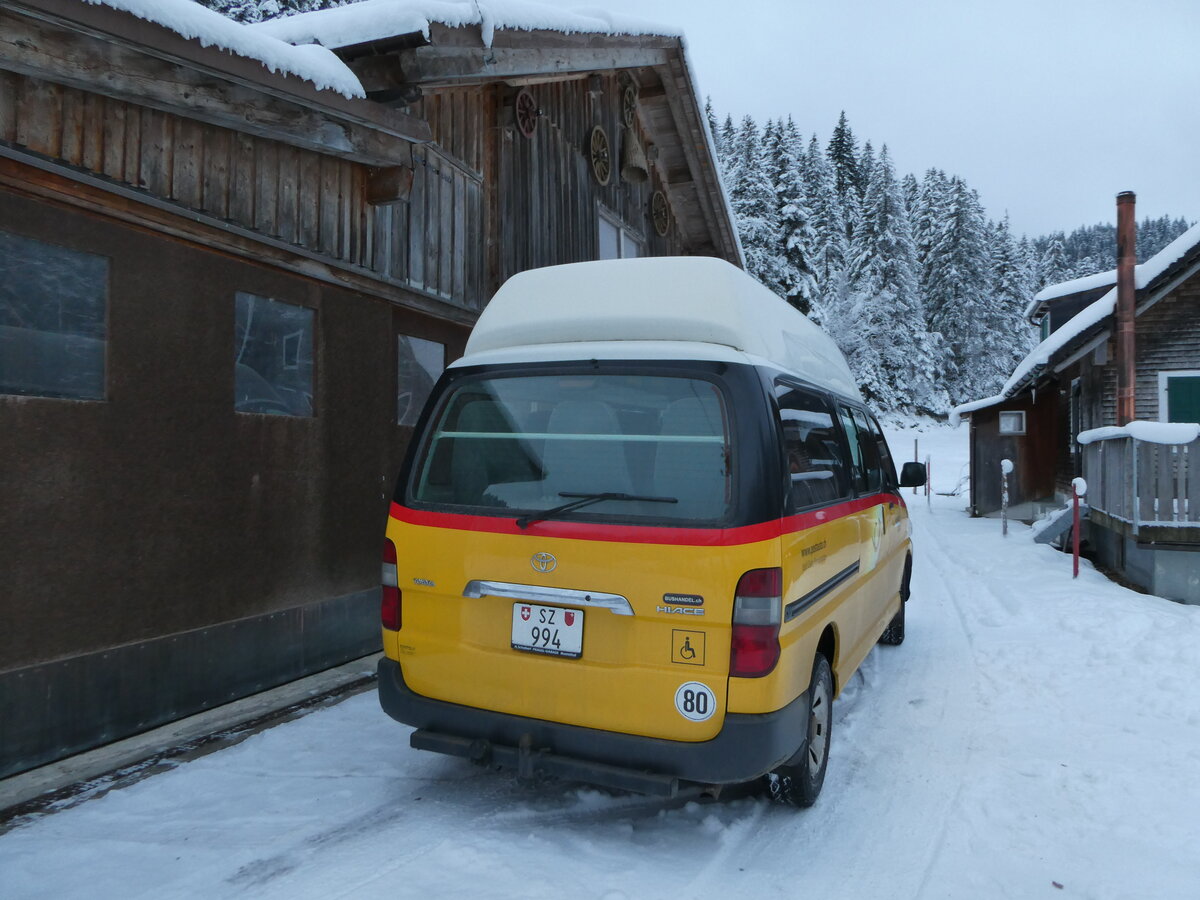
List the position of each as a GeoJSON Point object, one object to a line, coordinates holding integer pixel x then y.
{"type": "Point", "coordinates": [161, 509]}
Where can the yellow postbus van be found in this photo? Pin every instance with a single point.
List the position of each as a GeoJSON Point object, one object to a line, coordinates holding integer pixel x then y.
{"type": "Point", "coordinates": [645, 532]}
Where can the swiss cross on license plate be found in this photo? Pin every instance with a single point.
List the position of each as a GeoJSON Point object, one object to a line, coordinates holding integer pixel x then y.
{"type": "Point", "coordinates": [547, 629]}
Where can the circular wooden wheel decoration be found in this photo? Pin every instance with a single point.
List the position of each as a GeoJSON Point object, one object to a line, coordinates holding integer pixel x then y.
{"type": "Point", "coordinates": [601, 155]}
{"type": "Point", "coordinates": [526, 112]}
{"type": "Point", "coordinates": [629, 105]}
{"type": "Point", "coordinates": [660, 212]}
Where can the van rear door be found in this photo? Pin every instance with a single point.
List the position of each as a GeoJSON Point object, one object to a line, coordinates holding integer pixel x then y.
{"type": "Point", "coordinates": [614, 614]}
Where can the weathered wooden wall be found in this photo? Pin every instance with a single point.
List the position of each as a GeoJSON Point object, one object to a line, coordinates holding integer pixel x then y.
{"type": "Point", "coordinates": [550, 201]}
{"type": "Point", "coordinates": [432, 243]}
{"type": "Point", "coordinates": [1168, 337]}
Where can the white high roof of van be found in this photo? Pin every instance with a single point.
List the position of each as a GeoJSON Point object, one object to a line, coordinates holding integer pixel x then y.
{"type": "Point", "coordinates": [627, 304]}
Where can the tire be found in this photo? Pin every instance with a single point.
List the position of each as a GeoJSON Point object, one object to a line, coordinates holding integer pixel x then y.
{"type": "Point", "coordinates": [798, 781]}
{"type": "Point", "coordinates": [893, 635]}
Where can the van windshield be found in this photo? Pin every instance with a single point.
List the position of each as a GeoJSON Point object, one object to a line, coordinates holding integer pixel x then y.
{"type": "Point", "coordinates": [529, 443]}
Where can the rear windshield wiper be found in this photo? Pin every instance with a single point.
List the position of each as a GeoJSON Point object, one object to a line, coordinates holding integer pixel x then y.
{"type": "Point", "coordinates": [586, 500]}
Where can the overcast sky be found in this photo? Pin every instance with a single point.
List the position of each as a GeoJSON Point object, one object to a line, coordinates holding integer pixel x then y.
{"type": "Point", "coordinates": [1048, 108]}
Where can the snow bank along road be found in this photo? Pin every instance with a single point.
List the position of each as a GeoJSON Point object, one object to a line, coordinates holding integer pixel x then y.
{"type": "Point", "coordinates": [1032, 732]}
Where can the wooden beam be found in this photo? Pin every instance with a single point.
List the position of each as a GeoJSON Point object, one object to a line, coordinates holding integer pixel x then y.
{"type": "Point", "coordinates": [390, 185]}
{"type": "Point", "coordinates": [27, 174]}
{"type": "Point", "coordinates": [445, 66]}
{"type": "Point", "coordinates": [54, 52]}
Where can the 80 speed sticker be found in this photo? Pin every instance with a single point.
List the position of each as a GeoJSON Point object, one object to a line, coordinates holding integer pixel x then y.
{"type": "Point", "coordinates": [695, 701]}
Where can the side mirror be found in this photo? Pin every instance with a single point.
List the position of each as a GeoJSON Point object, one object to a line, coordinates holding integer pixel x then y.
{"type": "Point", "coordinates": [912, 475]}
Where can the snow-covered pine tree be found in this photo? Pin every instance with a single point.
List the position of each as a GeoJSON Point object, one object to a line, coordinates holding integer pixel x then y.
{"type": "Point", "coordinates": [1011, 337]}
{"type": "Point", "coordinates": [842, 151]}
{"type": "Point", "coordinates": [713, 129]}
{"type": "Point", "coordinates": [1054, 267]}
{"type": "Point", "coordinates": [957, 283]}
{"type": "Point", "coordinates": [910, 188]}
{"type": "Point", "coordinates": [797, 235]}
{"type": "Point", "coordinates": [727, 141]}
{"type": "Point", "coordinates": [866, 167]}
{"type": "Point", "coordinates": [882, 327]}
{"type": "Point", "coordinates": [830, 249]}
{"type": "Point", "coordinates": [752, 198]}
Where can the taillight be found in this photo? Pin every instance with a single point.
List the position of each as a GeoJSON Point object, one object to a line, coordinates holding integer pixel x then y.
{"type": "Point", "coordinates": [758, 600]}
{"type": "Point", "coordinates": [389, 608]}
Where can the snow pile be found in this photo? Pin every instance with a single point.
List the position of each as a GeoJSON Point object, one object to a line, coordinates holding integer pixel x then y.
{"type": "Point", "coordinates": [964, 409]}
{"type": "Point", "coordinates": [373, 20]}
{"type": "Point", "coordinates": [1150, 432]}
{"type": "Point", "coordinates": [1143, 274]}
{"type": "Point", "coordinates": [1167, 256]}
{"type": "Point", "coordinates": [194, 22]}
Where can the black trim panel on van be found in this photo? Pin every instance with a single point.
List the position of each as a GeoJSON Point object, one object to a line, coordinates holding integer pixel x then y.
{"type": "Point", "coordinates": [796, 607]}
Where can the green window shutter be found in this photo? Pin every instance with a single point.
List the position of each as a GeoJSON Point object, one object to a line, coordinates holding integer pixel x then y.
{"type": "Point", "coordinates": [1183, 398]}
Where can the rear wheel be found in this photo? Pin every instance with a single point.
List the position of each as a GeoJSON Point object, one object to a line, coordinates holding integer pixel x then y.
{"type": "Point", "coordinates": [798, 782]}
{"type": "Point", "coordinates": [894, 633]}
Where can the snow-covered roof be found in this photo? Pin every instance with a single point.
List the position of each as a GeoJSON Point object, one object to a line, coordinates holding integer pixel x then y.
{"type": "Point", "coordinates": [1144, 276]}
{"type": "Point", "coordinates": [1151, 432]}
{"type": "Point", "coordinates": [373, 20]}
{"type": "Point", "coordinates": [1067, 288]}
{"type": "Point", "coordinates": [190, 20]}
{"type": "Point", "coordinates": [965, 409]}
{"type": "Point", "coordinates": [693, 299]}
{"type": "Point", "coordinates": [380, 20]}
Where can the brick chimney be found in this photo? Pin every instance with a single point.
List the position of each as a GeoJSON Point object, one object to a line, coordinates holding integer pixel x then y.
{"type": "Point", "coordinates": [1126, 299]}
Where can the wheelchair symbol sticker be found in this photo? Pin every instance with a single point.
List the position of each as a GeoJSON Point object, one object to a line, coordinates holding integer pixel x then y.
{"type": "Point", "coordinates": [687, 647]}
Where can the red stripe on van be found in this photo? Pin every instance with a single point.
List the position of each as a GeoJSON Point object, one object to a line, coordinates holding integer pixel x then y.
{"type": "Point", "coordinates": [642, 534]}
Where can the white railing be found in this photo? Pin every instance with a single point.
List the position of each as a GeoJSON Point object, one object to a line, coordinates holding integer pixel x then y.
{"type": "Point", "coordinates": [1144, 483]}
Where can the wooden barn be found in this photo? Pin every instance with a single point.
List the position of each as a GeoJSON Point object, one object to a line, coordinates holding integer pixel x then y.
{"type": "Point", "coordinates": [1143, 494]}
{"type": "Point", "coordinates": [230, 270]}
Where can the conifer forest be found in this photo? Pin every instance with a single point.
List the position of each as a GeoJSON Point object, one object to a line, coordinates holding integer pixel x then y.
{"type": "Point", "coordinates": [923, 291]}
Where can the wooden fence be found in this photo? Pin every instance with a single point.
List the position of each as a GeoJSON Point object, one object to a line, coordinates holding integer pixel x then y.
{"type": "Point", "coordinates": [1143, 483]}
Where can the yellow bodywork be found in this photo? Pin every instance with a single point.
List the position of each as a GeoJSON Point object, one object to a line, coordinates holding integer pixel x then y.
{"type": "Point", "coordinates": [457, 649]}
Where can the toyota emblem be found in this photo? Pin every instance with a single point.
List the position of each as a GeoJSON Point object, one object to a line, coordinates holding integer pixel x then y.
{"type": "Point", "coordinates": [543, 562]}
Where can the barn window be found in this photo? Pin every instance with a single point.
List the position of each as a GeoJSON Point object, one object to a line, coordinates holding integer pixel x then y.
{"type": "Point", "coordinates": [53, 320]}
{"type": "Point", "coordinates": [1012, 422]}
{"type": "Point", "coordinates": [615, 241]}
{"type": "Point", "coordinates": [273, 357]}
{"type": "Point", "coordinates": [420, 362]}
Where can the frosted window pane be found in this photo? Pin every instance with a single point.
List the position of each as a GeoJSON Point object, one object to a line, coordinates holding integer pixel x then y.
{"type": "Point", "coordinates": [610, 240]}
{"type": "Point", "coordinates": [53, 328]}
{"type": "Point", "coordinates": [420, 364]}
{"type": "Point", "coordinates": [273, 357]}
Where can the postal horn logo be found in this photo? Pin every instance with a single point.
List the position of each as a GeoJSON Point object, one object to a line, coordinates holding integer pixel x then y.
{"type": "Point", "coordinates": [543, 562]}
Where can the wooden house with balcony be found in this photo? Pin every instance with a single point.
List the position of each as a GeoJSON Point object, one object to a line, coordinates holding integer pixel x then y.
{"type": "Point", "coordinates": [230, 269]}
{"type": "Point", "coordinates": [1143, 490]}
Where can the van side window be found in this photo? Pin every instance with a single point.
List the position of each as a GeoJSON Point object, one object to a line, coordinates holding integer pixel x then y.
{"type": "Point", "coordinates": [885, 455]}
{"type": "Point", "coordinates": [864, 451]}
{"type": "Point", "coordinates": [816, 462]}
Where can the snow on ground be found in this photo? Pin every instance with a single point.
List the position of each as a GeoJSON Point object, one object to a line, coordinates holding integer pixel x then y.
{"type": "Point", "coordinates": [1031, 732]}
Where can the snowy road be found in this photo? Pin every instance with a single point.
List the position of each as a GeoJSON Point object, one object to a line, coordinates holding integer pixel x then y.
{"type": "Point", "coordinates": [1032, 732]}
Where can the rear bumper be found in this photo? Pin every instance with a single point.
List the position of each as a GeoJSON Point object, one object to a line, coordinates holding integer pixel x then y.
{"type": "Point", "coordinates": [746, 747]}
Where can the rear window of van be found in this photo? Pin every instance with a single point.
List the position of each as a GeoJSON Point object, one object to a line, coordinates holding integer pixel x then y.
{"type": "Point", "coordinates": [513, 445]}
